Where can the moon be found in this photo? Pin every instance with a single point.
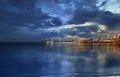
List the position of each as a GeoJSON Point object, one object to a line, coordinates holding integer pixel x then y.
{"type": "Point", "coordinates": [51, 22]}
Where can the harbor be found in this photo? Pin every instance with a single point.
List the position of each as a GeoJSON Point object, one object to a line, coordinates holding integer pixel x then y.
{"type": "Point", "coordinates": [115, 39]}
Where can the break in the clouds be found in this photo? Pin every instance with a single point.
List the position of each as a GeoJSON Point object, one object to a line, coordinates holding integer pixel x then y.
{"type": "Point", "coordinates": [32, 20]}
{"type": "Point", "coordinates": [109, 5]}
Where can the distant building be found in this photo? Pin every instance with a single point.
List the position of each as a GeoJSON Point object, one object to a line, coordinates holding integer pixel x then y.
{"type": "Point", "coordinates": [82, 39]}
{"type": "Point", "coordinates": [116, 37]}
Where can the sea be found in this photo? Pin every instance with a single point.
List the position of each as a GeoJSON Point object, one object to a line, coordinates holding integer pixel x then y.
{"type": "Point", "coordinates": [63, 59]}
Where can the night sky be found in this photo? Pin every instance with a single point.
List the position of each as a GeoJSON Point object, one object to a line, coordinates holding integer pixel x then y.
{"type": "Point", "coordinates": [35, 20]}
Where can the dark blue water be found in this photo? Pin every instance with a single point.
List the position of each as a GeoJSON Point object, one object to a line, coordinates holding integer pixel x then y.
{"type": "Point", "coordinates": [59, 60]}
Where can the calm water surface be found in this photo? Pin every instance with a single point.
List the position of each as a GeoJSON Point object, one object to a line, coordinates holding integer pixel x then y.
{"type": "Point", "coordinates": [59, 60]}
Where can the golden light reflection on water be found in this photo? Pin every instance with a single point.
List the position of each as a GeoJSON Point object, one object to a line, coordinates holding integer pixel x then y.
{"type": "Point", "coordinates": [101, 47]}
{"type": "Point", "coordinates": [90, 56]}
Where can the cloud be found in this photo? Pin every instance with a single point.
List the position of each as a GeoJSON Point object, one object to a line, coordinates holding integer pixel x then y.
{"type": "Point", "coordinates": [58, 9]}
{"type": "Point", "coordinates": [106, 5]}
{"type": "Point", "coordinates": [69, 26]}
{"type": "Point", "coordinates": [102, 3]}
{"type": "Point", "coordinates": [44, 18]}
{"type": "Point", "coordinates": [65, 10]}
{"type": "Point", "coordinates": [69, 36]}
{"type": "Point", "coordinates": [85, 29]}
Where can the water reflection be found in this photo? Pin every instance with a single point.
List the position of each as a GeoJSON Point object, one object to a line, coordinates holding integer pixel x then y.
{"type": "Point", "coordinates": [59, 60]}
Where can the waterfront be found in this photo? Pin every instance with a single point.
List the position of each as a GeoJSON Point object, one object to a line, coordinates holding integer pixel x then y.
{"type": "Point", "coordinates": [59, 60]}
{"type": "Point", "coordinates": [113, 39]}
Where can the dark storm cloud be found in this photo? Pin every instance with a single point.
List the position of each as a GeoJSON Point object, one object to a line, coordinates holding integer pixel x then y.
{"type": "Point", "coordinates": [103, 3]}
{"type": "Point", "coordinates": [66, 9]}
{"type": "Point", "coordinates": [20, 12]}
{"type": "Point", "coordinates": [104, 17]}
{"type": "Point", "coordinates": [109, 19]}
{"type": "Point", "coordinates": [24, 17]}
{"type": "Point", "coordinates": [82, 30]}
